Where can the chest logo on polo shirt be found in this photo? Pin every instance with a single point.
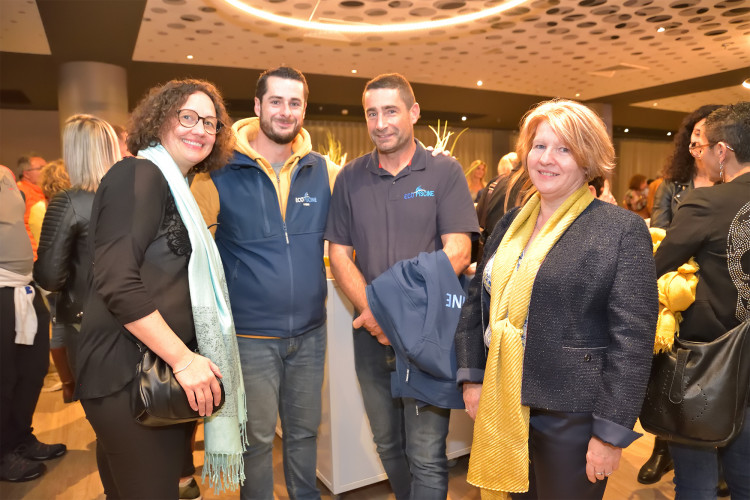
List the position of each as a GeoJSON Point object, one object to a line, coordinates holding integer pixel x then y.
{"type": "Point", "coordinates": [305, 200]}
{"type": "Point", "coordinates": [419, 193]}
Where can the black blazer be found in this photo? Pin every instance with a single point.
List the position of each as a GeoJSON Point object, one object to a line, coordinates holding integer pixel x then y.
{"type": "Point", "coordinates": [707, 223]}
{"type": "Point", "coordinates": [591, 323]}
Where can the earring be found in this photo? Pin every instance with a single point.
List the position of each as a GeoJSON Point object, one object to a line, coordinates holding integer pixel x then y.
{"type": "Point", "coordinates": [721, 171]}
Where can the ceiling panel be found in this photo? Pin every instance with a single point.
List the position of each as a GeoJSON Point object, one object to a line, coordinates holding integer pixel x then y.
{"type": "Point", "coordinates": [568, 48]}
{"type": "Point", "coordinates": [21, 28]}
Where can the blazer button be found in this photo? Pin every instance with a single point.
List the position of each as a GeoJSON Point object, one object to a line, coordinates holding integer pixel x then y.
{"type": "Point", "coordinates": [587, 357]}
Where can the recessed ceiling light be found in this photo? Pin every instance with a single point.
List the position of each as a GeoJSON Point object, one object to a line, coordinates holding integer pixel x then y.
{"type": "Point", "coordinates": [626, 130]}
{"type": "Point", "coordinates": [746, 83]}
{"type": "Point", "coordinates": [656, 104]}
{"type": "Point", "coordinates": [669, 134]}
{"type": "Point", "coordinates": [344, 111]}
{"type": "Point", "coordinates": [480, 83]}
{"type": "Point", "coordinates": [190, 56]}
{"type": "Point", "coordinates": [463, 118]}
{"type": "Point", "coordinates": [346, 27]}
{"type": "Point", "coordinates": [578, 95]}
{"type": "Point", "coordinates": [661, 29]}
{"type": "Point", "coordinates": [354, 71]}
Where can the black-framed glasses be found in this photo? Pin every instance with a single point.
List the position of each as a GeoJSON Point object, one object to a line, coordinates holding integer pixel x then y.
{"type": "Point", "coordinates": [189, 119]}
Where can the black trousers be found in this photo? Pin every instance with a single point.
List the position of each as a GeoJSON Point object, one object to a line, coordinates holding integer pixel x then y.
{"type": "Point", "coordinates": [22, 371]}
{"type": "Point", "coordinates": [558, 443]}
{"type": "Point", "coordinates": [137, 462]}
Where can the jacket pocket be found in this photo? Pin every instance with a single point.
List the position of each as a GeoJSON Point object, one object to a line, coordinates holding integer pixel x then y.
{"type": "Point", "coordinates": [585, 361]}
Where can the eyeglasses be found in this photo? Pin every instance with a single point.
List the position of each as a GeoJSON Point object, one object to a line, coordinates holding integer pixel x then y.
{"type": "Point", "coordinates": [189, 119]}
{"type": "Point", "coordinates": [697, 149]}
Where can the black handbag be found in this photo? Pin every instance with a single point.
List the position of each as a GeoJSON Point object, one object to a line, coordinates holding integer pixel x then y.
{"type": "Point", "coordinates": [698, 391]}
{"type": "Point", "coordinates": [157, 398]}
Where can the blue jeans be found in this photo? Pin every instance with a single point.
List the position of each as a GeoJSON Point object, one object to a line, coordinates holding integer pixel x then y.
{"type": "Point", "coordinates": [410, 440]}
{"type": "Point", "coordinates": [696, 468]}
{"type": "Point", "coordinates": [283, 377]}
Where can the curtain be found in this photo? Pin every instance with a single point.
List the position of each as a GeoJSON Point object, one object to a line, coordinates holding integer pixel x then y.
{"type": "Point", "coordinates": [638, 156]}
{"type": "Point", "coordinates": [634, 156]}
{"type": "Point", "coordinates": [355, 141]}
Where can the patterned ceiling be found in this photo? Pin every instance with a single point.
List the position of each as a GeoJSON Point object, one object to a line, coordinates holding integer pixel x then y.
{"type": "Point", "coordinates": [570, 48]}
{"type": "Point", "coordinates": [607, 50]}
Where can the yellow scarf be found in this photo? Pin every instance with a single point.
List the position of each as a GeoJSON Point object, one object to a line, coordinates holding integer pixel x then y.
{"type": "Point", "coordinates": [676, 293]}
{"type": "Point", "coordinates": [499, 462]}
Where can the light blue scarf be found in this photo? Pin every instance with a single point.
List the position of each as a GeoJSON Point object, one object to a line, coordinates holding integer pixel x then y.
{"type": "Point", "coordinates": [225, 436]}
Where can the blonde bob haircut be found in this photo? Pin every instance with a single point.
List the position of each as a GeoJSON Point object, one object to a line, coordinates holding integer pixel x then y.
{"type": "Point", "coordinates": [578, 127]}
{"type": "Point", "coordinates": [90, 148]}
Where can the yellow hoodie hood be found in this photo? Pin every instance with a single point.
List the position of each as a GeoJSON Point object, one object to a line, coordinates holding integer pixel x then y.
{"type": "Point", "coordinates": [247, 130]}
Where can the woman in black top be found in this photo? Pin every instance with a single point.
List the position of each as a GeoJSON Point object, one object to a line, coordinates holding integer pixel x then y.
{"type": "Point", "coordinates": [683, 172]}
{"type": "Point", "coordinates": [143, 292]}
{"type": "Point", "coordinates": [713, 225]}
{"type": "Point", "coordinates": [90, 148]}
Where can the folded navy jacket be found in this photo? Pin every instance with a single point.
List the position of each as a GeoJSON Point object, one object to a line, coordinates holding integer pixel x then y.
{"type": "Point", "coordinates": [417, 303]}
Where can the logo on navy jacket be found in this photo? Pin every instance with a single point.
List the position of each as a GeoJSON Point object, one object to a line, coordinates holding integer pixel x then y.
{"type": "Point", "coordinates": [419, 193]}
{"type": "Point", "coordinates": [305, 200]}
{"type": "Point", "coordinates": [453, 301]}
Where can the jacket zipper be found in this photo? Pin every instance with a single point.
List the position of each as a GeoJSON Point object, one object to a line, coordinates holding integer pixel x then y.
{"type": "Point", "coordinates": [288, 255]}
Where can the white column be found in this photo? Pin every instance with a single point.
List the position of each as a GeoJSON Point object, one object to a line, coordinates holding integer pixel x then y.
{"type": "Point", "coordinates": [95, 88]}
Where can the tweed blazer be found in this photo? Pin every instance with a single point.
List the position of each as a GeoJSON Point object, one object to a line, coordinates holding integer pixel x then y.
{"type": "Point", "coordinates": [591, 322]}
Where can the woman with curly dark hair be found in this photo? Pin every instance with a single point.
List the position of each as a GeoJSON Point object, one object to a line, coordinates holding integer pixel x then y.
{"type": "Point", "coordinates": [158, 282]}
{"type": "Point", "coordinates": [683, 172]}
{"type": "Point", "coordinates": [712, 225]}
{"type": "Point", "coordinates": [684, 169]}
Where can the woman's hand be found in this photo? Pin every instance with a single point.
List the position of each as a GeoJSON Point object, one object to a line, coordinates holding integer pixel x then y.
{"type": "Point", "coordinates": [602, 459]}
{"type": "Point", "coordinates": [199, 382]}
{"type": "Point", "coordinates": [471, 398]}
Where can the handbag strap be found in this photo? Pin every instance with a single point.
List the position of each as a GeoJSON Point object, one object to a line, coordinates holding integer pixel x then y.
{"type": "Point", "coordinates": [676, 388]}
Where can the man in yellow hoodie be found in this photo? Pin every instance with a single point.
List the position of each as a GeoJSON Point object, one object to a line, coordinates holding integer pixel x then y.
{"type": "Point", "coordinates": [267, 208]}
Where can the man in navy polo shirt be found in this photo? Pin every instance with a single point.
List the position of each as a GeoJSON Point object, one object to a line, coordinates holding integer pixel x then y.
{"type": "Point", "coordinates": [387, 206]}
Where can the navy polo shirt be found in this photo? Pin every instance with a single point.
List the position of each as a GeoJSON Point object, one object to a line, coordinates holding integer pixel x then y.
{"type": "Point", "coordinates": [390, 218]}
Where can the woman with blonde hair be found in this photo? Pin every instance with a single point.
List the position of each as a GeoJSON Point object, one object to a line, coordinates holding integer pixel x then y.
{"type": "Point", "coordinates": [90, 147]}
{"type": "Point", "coordinates": [475, 177]}
{"type": "Point", "coordinates": [555, 337]}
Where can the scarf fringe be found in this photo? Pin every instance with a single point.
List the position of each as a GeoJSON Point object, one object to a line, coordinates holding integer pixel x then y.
{"type": "Point", "coordinates": [225, 471]}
